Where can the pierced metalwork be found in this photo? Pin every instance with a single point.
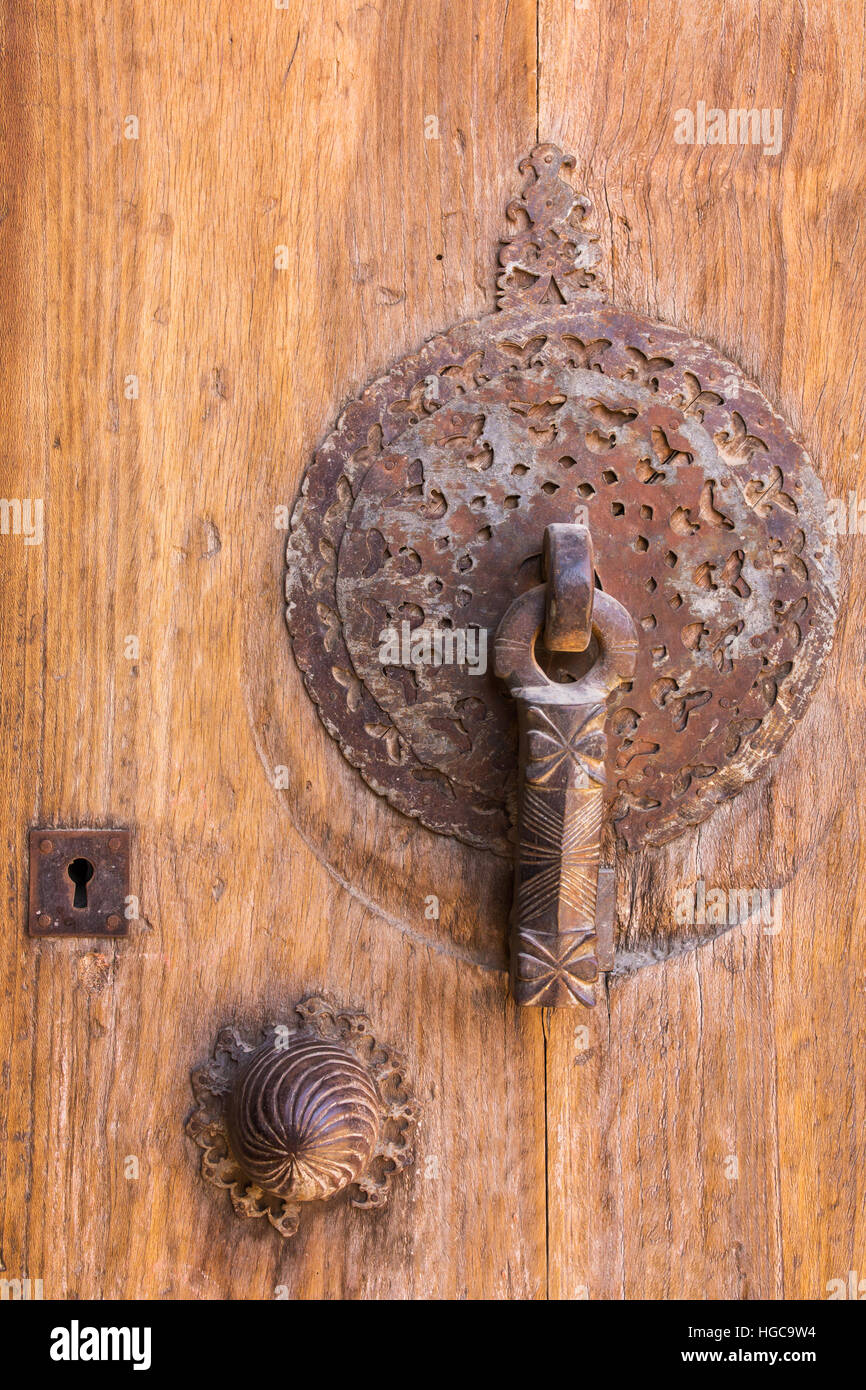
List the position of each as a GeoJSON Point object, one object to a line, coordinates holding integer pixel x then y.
{"type": "Point", "coordinates": [428, 502]}
{"type": "Point", "coordinates": [423, 513]}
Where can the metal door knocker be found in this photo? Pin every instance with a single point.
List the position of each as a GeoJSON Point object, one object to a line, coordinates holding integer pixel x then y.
{"type": "Point", "coordinates": [630, 520]}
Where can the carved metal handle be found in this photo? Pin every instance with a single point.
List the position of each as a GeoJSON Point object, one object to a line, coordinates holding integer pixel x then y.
{"type": "Point", "coordinates": [298, 1115]}
{"type": "Point", "coordinates": [554, 957]}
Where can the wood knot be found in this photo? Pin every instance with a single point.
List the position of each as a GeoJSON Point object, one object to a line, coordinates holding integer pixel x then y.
{"type": "Point", "coordinates": [94, 971]}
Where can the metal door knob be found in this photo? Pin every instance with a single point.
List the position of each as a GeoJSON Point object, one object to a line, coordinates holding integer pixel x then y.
{"type": "Point", "coordinates": [303, 1119]}
{"type": "Point", "coordinates": [299, 1115]}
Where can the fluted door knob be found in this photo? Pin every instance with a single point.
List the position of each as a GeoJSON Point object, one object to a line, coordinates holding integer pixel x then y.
{"type": "Point", "coordinates": [298, 1115]}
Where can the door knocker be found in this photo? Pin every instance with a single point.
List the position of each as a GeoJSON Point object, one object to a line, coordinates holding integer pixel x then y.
{"type": "Point", "coordinates": [615, 508]}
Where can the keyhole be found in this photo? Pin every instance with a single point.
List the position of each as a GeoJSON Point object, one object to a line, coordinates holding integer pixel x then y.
{"type": "Point", "coordinates": [81, 872]}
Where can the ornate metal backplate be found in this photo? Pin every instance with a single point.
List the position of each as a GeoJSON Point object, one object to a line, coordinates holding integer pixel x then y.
{"type": "Point", "coordinates": [428, 502]}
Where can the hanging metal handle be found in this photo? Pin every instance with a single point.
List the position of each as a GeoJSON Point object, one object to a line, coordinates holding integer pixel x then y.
{"type": "Point", "coordinates": [554, 957]}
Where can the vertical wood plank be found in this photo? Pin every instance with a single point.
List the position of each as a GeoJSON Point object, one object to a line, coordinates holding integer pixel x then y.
{"type": "Point", "coordinates": [155, 257]}
{"type": "Point", "coordinates": [707, 1141]}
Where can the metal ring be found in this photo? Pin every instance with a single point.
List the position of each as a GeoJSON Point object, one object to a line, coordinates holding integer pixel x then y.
{"type": "Point", "coordinates": [514, 652]}
{"type": "Point", "coordinates": [567, 565]}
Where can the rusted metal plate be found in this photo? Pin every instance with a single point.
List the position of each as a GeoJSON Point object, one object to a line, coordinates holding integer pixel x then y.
{"type": "Point", "coordinates": [605, 916]}
{"type": "Point", "coordinates": [427, 506]}
{"type": "Point", "coordinates": [79, 882]}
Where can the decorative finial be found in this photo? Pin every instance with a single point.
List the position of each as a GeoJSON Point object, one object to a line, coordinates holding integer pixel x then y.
{"type": "Point", "coordinates": [549, 259]}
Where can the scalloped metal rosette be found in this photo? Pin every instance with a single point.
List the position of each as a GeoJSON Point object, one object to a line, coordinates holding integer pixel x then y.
{"type": "Point", "coordinates": [426, 507]}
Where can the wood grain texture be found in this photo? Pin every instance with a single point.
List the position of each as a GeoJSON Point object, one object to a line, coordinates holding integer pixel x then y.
{"type": "Point", "coordinates": [750, 1048]}
{"type": "Point", "coordinates": [263, 128]}
{"type": "Point", "coordinates": [156, 256]}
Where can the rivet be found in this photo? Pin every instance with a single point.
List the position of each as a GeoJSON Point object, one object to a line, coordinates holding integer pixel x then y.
{"type": "Point", "coordinates": [46, 846]}
{"type": "Point", "coordinates": [113, 922]}
{"type": "Point", "coordinates": [43, 919]}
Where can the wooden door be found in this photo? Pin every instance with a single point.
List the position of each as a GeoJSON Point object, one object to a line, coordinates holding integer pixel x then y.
{"type": "Point", "coordinates": [219, 223]}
